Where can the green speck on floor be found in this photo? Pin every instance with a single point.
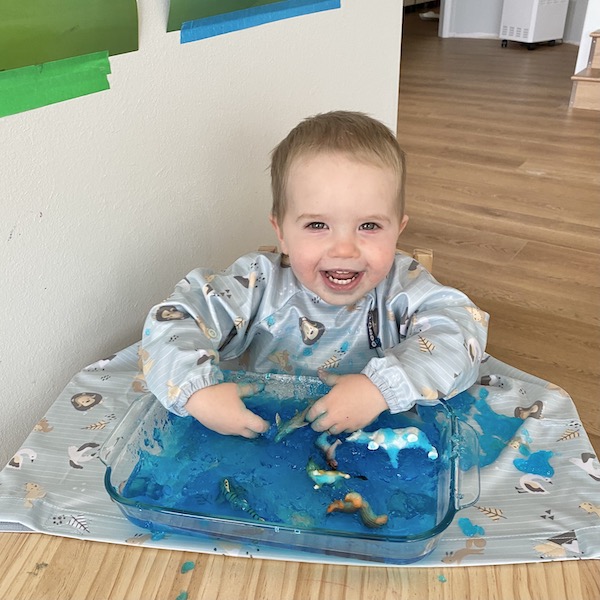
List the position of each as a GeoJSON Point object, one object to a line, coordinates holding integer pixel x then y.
{"type": "Point", "coordinates": [182, 596]}
{"type": "Point", "coordinates": [442, 578]}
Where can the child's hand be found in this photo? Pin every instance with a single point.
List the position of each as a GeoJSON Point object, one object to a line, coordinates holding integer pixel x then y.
{"type": "Point", "coordinates": [220, 408]}
{"type": "Point", "coordinates": [353, 402]}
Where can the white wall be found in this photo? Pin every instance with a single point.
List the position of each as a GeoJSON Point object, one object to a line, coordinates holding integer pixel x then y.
{"type": "Point", "coordinates": [574, 22]}
{"type": "Point", "coordinates": [108, 200]}
{"type": "Point", "coordinates": [471, 18]}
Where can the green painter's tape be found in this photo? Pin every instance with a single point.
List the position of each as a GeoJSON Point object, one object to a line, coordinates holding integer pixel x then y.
{"type": "Point", "coordinates": [39, 85]}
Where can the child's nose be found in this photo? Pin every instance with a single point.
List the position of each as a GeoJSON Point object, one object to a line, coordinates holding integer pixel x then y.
{"type": "Point", "coordinates": [344, 246]}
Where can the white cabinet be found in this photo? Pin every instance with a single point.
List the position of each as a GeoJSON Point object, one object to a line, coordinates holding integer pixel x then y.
{"type": "Point", "coordinates": [531, 21]}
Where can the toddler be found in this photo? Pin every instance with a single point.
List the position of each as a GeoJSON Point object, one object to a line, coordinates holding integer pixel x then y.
{"type": "Point", "coordinates": [339, 301]}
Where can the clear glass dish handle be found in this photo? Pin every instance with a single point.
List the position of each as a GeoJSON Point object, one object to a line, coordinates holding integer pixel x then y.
{"type": "Point", "coordinates": [468, 485]}
{"type": "Point", "coordinates": [121, 434]}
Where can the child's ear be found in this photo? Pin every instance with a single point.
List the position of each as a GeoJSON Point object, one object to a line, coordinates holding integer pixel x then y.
{"type": "Point", "coordinates": [403, 224]}
{"type": "Point", "coordinates": [279, 232]}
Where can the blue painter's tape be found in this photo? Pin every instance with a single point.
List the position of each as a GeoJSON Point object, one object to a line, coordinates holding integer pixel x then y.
{"type": "Point", "coordinates": [200, 29]}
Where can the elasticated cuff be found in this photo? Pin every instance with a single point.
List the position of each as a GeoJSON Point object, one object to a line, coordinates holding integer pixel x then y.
{"type": "Point", "coordinates": [177, 407]}
{"type": "Point", "coordinates": [393, 396]}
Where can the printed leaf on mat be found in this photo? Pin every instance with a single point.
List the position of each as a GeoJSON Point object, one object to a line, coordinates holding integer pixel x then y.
{"type": "Point", "coordinates": [495, 514]}
{"type": "Point", "coordinates": [331, 363]}
{"type": "Point", "coordinates": [425, 345]}
{"type": "Point", "coordinates": [569, 434]}
{"type": "Point", "coordinates": [79, 522]}
{"type": "Point", "coordinates": [96, 426]}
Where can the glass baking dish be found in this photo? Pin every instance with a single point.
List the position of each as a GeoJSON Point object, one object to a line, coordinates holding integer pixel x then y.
{"type": "Point", "coordinates": [289, 488]}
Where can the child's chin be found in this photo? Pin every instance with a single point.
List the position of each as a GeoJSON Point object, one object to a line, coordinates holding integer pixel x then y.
{"type": "Point", "coordinates": [340, 299]}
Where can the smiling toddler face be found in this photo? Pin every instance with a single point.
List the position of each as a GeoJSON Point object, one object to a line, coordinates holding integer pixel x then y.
{"type": "Point", "coordinates": [341, 225]}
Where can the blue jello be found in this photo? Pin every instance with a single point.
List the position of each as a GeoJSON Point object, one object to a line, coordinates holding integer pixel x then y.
{"type": "Point", "coordinates": [172, 474]}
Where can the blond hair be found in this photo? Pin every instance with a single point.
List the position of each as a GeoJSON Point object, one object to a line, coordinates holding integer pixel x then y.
{"type": "Point", "coordinates": [354, 134]}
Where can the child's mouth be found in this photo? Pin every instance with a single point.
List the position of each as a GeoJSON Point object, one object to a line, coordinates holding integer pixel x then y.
{"type": "Point", "coordinates": [341, 278]}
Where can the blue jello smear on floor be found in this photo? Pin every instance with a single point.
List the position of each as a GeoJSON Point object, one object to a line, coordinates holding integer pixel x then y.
{"type": "Point", "coordinates": [187, 566]}
{"type": "Point", "coordinates": [271, 479]}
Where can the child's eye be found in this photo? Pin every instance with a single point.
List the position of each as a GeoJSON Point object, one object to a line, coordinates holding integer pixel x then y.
{"type": "Point", "coordinates": [369, 226]}
{"type": "Point", "coordinates": [316, 225]}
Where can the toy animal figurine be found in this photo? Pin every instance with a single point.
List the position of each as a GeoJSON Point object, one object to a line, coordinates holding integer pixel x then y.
{"type": "Point", "coordinates": [284, 428]}
{"type": "Point", "coordinates": [322, 477]}
{"type": "Point", "coordinates": [322, 443]}
{"type": "Point", "coordinates": [350, 504]}
{"type": "Point", "coordinates": [394, 440]}
{"type": "Point", "coordinates": [354, 502]}
{"type": "Point", "coordinates": [234, 494]}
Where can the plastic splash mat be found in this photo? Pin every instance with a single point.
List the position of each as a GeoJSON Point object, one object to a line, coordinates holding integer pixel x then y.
{"type": "Point", "coordinates": [540, 477]}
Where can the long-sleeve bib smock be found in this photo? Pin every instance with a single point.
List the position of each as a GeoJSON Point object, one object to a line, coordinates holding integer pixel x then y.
{"type": "Point", "coordinates": [415, 339]}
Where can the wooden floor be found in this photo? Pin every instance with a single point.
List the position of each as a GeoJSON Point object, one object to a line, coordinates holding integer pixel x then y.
{"type": "Point", "coordinates": [504, 186]}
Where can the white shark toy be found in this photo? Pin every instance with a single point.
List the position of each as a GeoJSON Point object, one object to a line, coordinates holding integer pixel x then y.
{"type": "Point", "coordinates": [394, 440]}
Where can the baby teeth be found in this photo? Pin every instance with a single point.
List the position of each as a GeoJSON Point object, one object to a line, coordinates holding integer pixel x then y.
{"type": "Point", "coordinates": [341, 281]}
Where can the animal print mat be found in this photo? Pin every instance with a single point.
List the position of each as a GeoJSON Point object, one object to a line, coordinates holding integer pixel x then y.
{"type": "Point", "coordinates": [540, 483]}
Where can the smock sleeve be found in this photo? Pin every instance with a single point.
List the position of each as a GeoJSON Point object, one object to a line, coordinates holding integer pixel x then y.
{"type": "Point", "coordinates": [205, 319]}
{"type": "Point", "coordinates": [442, 338]}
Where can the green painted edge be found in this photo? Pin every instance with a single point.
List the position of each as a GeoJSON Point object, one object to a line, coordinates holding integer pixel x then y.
{"type": "Point", "coordinates": [181, 11]}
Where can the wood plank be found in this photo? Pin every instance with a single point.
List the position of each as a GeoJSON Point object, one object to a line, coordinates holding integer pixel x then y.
{"type": "Point", "coordinates": [586, 94]}
{"type": "Point", "coordinates": [594, 59]}
{"type": "Point", "coordinates": [459, 240]}
{"type": "Point", "coordinates": [214, 576]}
{"type": "Point", "coordinates": [448, 204]}
{"type": "Point", "coordinates": [587, 74]}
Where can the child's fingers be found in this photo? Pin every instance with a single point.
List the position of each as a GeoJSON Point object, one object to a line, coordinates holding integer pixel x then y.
{"type": "Point", "coordinates": [248, 433]}
{"type": "Point", "coordinates": [319, 425]}
{"type": "Point", "coordinates": [254, 424]}
{"type": "Point", "coordinates": [316, 411]}
{"type": "Point", "coordinates": [318, 418]}
{"type": "Point", "coordinates": [249, 389]}
{"type": "Point", "coordinates": [327, 377]}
